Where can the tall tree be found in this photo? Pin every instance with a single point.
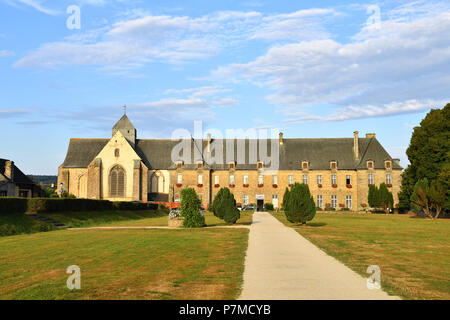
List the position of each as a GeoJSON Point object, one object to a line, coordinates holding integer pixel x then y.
{"type": "Point", "coordinates": [300, 206]}
{"type": "Point", "coordinates": [428, 152]}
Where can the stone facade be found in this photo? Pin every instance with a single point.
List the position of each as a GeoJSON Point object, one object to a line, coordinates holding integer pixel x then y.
{"type": "Point", "coordinates": [128, 169]}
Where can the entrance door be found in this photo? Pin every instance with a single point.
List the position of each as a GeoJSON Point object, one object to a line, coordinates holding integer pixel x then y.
{"type": "Point", "coordinates": [260, 205]}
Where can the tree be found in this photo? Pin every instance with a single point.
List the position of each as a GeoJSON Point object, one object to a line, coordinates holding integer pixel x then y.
{"type": "Point", "coordinates": [444, 180]}
{"type": "Point", "coordinates": [385, 198]}
{"type": "Point", "coordinates": [224, 206]}
{"type": "Point", "coordinates": [191, 207]}
{"type": "Point", "coordinates": [420, 197]}
{"type": "Point", "coordinates": [428, 152]}
{"type": "Point", "coordinates": [437, 197]}
{"type": "Point", "coordinates": [373, 196]}
{"type": "Point", "coordinates": [299, 206]}
{"type": "Point", "coordinates": [286, 199]}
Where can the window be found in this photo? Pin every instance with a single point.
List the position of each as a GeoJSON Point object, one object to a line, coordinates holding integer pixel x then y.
{"type": "Point", "coordinates": [319, 179]}
{"type": "Point", "coordinates": [348, 179]}
{"type": "Point", "coordinates": [348, 201]}
{"type": "Point", "coordinates": [334, 201]}
{"type": "Point", "coordinates": [274, 179]}
{"type": "Point", "coordinates": [275, 200]}
{"type": "Point", "coordinates": [231, 165]}
{"type": "Point", "coordinates": [199, 165]}
{"type": "Point", "coordinates": [319, 201]}
{"type": "Point", "coordinates": [260, 179]}
{"type": "Point", "coordinates": [333, 165]}
{"type": "Point", "coordinates": [260, 165]}
{"type": "Point", "coordinates": [179, 164]}
{"type": "Point", "coordinates": [232, 179]}
{"type": "Point", "coordinates": [370, 178]}
{"type": "Point", "coordinates": [200, 179]}
{"type": "Point", "coordinates": [291, 179]}
{"type": "Point", "coordinates": [3, 193]}
{"type": "Point", "coordinates": [117, 153]}
{"type": "Point", "coordinates": [177, 197]}
{"type": "Point", "coordinates": [370, 164]}
{"type": "Point", "coordinates": [117, 182]}
{"type": "Point", "coordinates": [245, 179]}
{"type": "Point", "coordinates": [305, 165]}
{"type": "Point", "coordinates": [305, 179]}
{"type": "Point", "coordinates": [388, 179]}
{"type": "Point", "coordinates": [387, 164]}
{"type": "Point", "coordinates": [216, 179]}
{"type": "Point", "coordinates": [333, 179]}
{"type": "Point", "coordinates": [245, 199]}
{"type": "Point", "coordinates": [180, 178]}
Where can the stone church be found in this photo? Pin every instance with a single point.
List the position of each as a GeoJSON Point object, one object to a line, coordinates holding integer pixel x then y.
{"type": "Point", "coordinates": [338, 171]}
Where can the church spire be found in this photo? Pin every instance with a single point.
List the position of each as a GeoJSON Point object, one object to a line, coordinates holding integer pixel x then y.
{"type": "Point", "coordinates": [125, 126]}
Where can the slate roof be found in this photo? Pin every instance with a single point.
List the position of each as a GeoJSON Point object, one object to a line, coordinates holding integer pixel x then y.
{"type": "Point", "coordinates": [156, 154]}
{"type": "Point", "coordinates": [19, 176]}
{"type": "Point", "coordinates": [123, 123]}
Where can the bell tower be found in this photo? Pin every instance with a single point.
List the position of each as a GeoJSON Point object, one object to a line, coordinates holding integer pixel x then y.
{"type": "Point", "coordinates": [125, 126]}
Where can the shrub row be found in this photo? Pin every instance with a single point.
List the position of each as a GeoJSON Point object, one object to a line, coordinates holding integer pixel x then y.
{"type": "Point", "coordinates": [39, 205]}
{"type": "Point", "coordinates": [13, 205]}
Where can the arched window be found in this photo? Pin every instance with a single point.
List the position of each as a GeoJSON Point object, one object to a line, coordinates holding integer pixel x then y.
{"type": "Point", "coordinates": [117, 182]}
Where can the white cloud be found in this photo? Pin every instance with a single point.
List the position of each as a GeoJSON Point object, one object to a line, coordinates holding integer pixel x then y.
{"type": "Point", "coordinates": [391, 70]}
{"type": "Point", "coordinates": [6, 53]}
{"type": "Point", "coordinates": [171, 39]}
{"type": "Point", "coordinates": [35, 4]}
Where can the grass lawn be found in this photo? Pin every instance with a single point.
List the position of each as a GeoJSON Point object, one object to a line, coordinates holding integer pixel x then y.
{"type": "Point", "coordinates": [413, 253]}
{"type": "Point", "coordinates": [124, 264]}
{"type": "Point", "coordinates": [95, 218]}
{"type": "Point", "coordinates": [12, 224]}
{"type": "Point", "coordinates": [131, 218]}
{"type": "Point", "coordinates": [162, 220]}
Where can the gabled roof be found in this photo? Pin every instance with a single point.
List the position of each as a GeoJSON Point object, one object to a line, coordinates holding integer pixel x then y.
{"type": "Point", "coordinates": [19, 176]}
{"type": "Point", "coordinates": [123, 123]}
{"type": "Point", "coordinates": [156, 154]}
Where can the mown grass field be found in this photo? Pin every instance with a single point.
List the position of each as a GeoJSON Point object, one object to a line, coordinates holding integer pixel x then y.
{"type": "Point", "coordinates": [131, 218]}
{"type": "Point", "coordinates": [95, 218]}
{"type": "Point", "coordinates": [124, 264]}
{"type": "Point", "coordinates": [413, 253]}
{"type": "Point", "coordinates": [19, 223]}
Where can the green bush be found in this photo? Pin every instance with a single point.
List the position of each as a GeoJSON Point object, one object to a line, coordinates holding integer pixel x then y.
{"type": "Point", "coordinates": [39, 205]}
{"type": "Point", "coordinates": [268, 207]}
{"type": "Point", "coordinates": [13, 205]}
{"type": "Point", "coordinates": [191, 209]}
{"type": "Point", "coordinates": [224, 206]}
{"type": "Point", "coordinates": [300, 206]}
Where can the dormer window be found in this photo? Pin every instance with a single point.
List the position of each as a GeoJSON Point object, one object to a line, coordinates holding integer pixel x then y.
{"type": "Point", "coordinates": [333, 165]}
{"type": "Point", "coordinates": [260, 165]}
{"type": "Point", "coordinates": [231, 165]}
{"type": "Point", "coordinates": [370, 164]}
{"type": "Point", "coordinates": [305, 165]}
{"type": "Point", "coordinates": [179, 164]}
{"type": "Point", "coordinates": [388, 164]}
{"type": "Point", "coordinates": [200, 165]}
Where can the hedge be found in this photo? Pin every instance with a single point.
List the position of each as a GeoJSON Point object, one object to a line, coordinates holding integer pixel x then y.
{"type": "Point", "coordinates": [13, 205]}
{"type": "Point", "coordinates": [38, 205]}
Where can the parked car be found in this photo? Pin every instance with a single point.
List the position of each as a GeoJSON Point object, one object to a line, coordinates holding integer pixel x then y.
{"type": "Point", "coordinates": [248, 207]}
{"type": "Point", "coordinates": [239, 208]}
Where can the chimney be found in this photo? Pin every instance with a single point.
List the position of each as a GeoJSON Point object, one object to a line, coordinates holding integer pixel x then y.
{"type": "Point", "coordinates": [281, 138]}
{"type": "Point", "coordinates": [208, 141]}
{"type": "Point", "coordinates": [370, 135]}
{"type": "Point", "coordinates": [355, 145]}
{"type": "Point", "coordinates": [9, 170]}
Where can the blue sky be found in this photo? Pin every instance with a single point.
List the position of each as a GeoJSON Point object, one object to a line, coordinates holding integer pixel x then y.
{"type": "Point", "coordinates": [308, 68]}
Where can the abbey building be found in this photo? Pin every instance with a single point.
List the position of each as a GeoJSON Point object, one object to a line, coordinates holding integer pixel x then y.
{"type": "Point", "coordinates": [338, 171]}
